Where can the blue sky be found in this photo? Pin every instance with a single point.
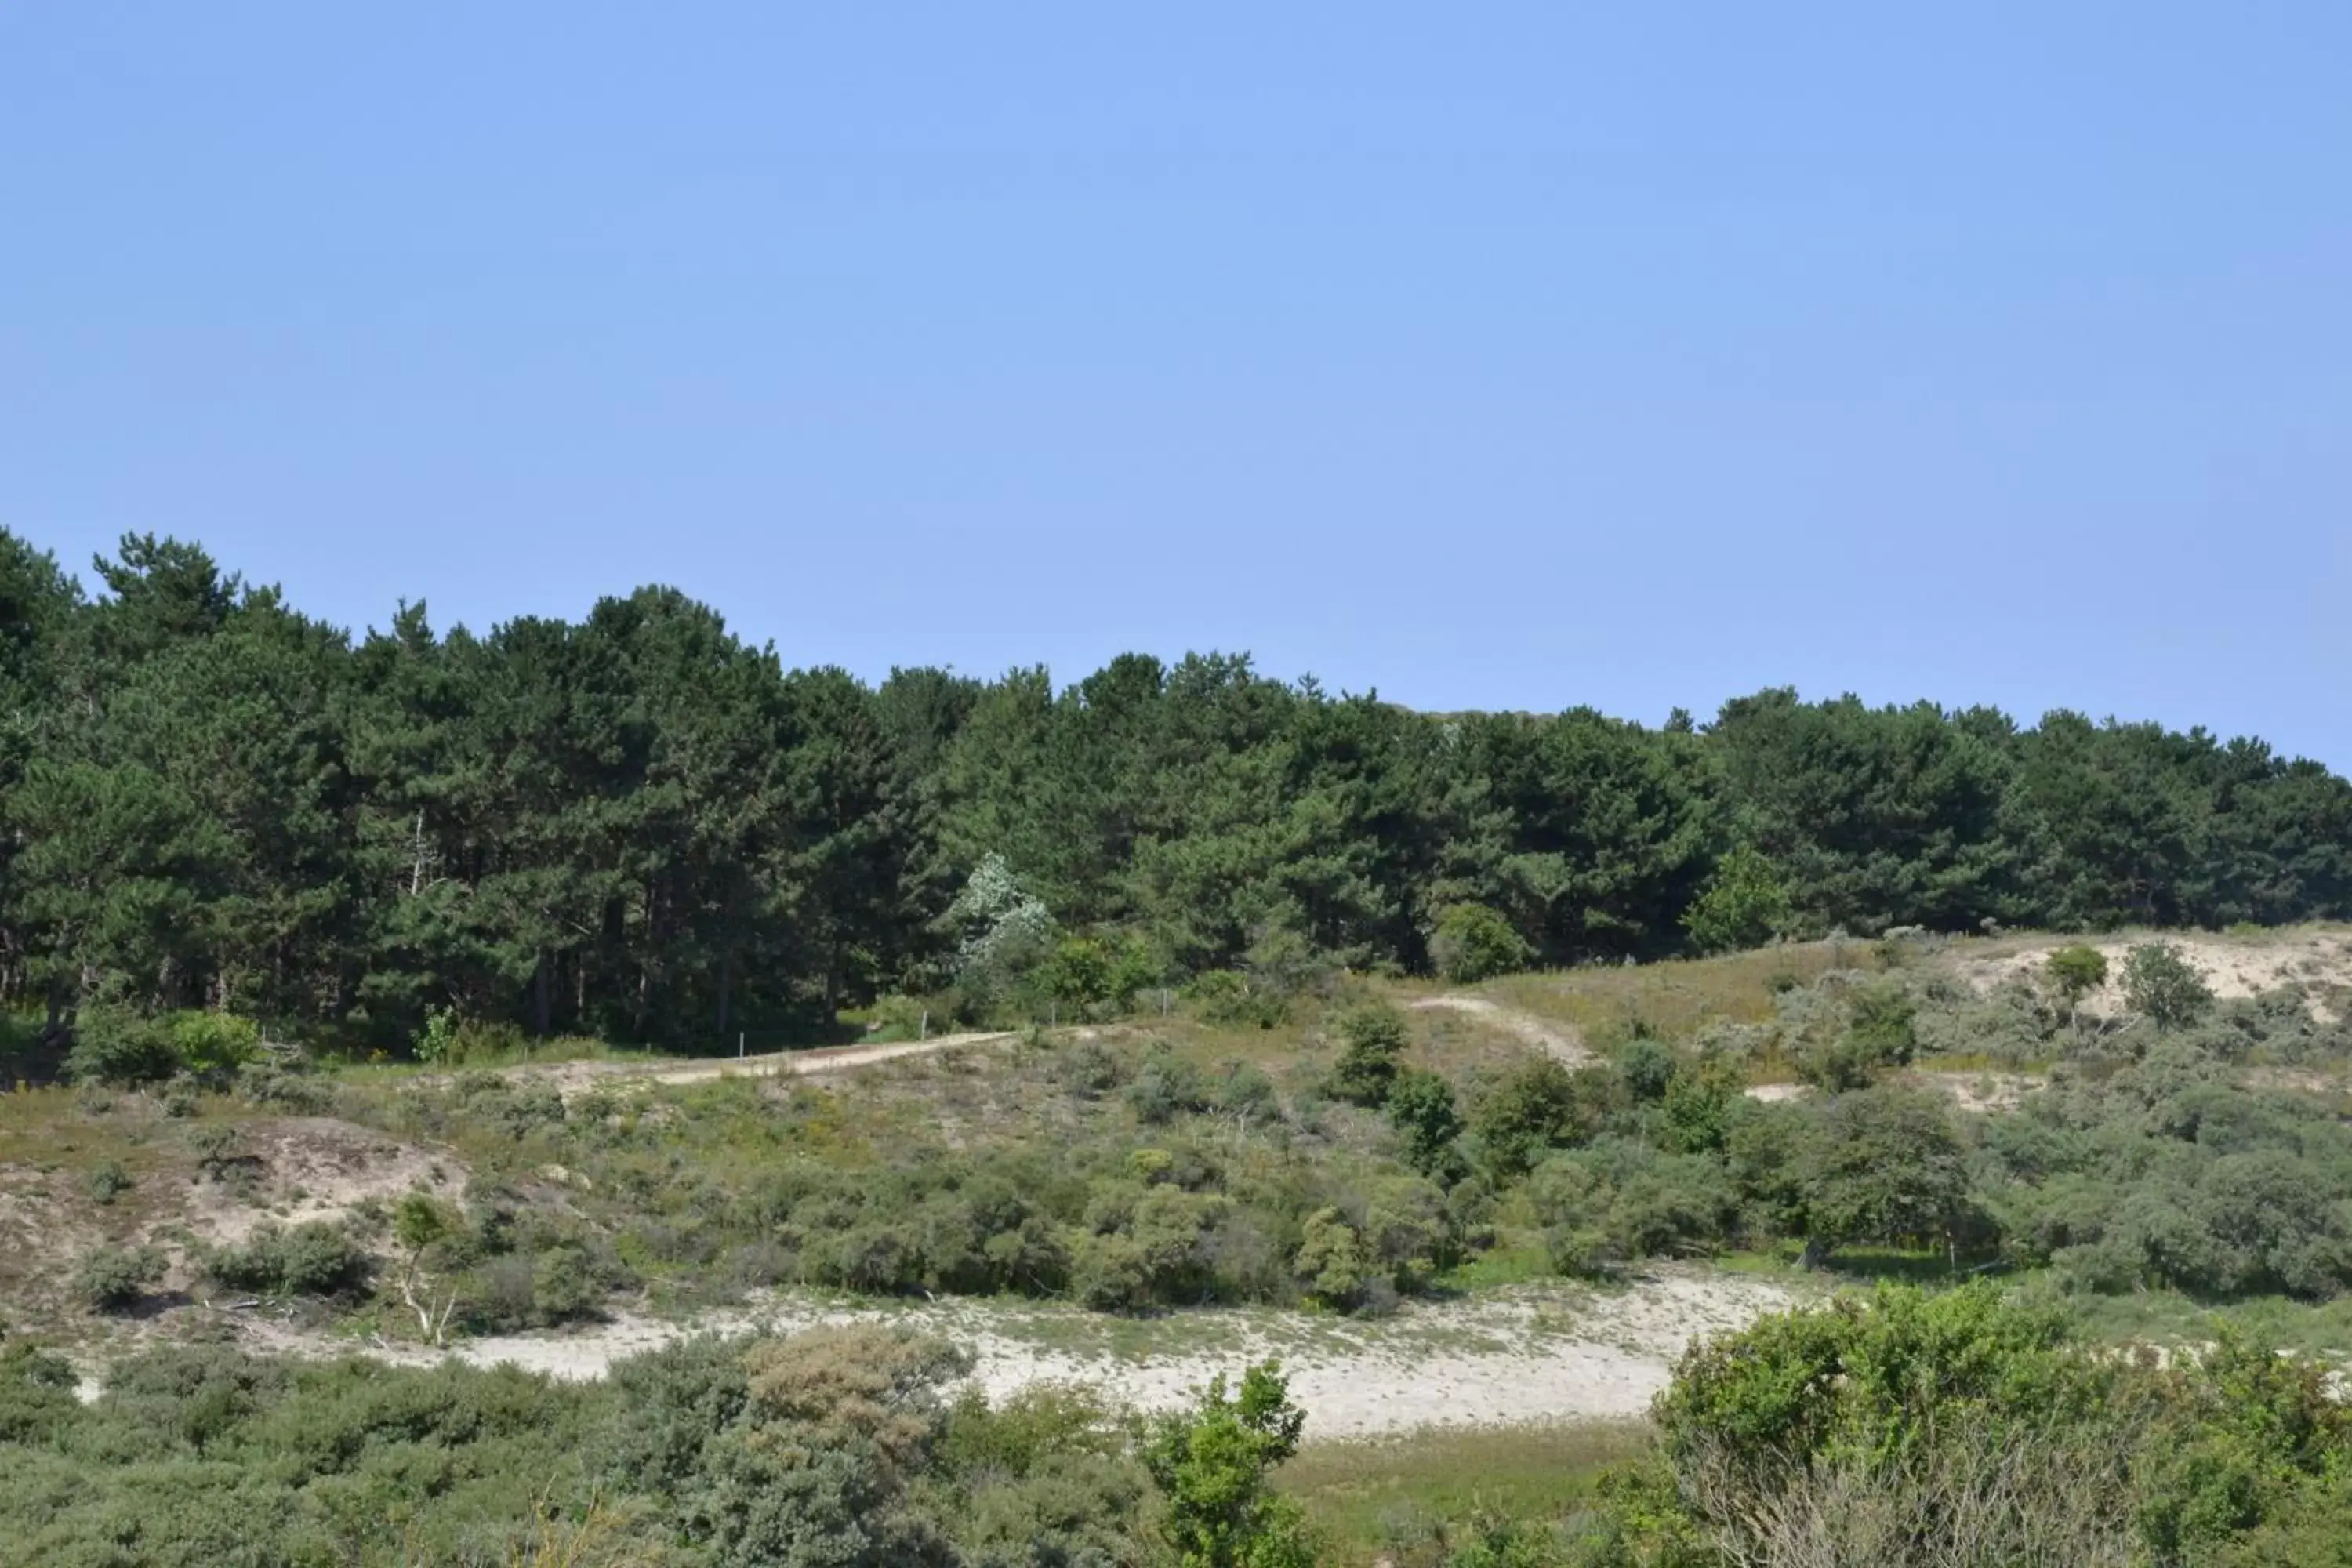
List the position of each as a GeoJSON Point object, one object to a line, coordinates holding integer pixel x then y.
{"type": "Point", "coordinates": [1490, 356]}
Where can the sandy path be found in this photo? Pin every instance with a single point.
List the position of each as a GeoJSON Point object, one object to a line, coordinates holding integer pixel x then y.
{"type": "Point", "coordinates": [571, 1078]}
{"type": "Point", "coordinates": [1559, 1040]}
{"type": "Point", "coordinates": [1541, 1353]}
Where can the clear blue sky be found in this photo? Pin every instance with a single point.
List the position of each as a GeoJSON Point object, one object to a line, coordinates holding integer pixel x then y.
{"type": "Point", "coordinates": [1490, 356]}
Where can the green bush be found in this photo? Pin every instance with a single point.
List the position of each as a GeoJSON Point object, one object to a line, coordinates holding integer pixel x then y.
{"type": "Point", "coordinates": [1473, 942]}
{"type": "Point", "coordinates": [1745, 904]}
{"type": "Point", "coordinates": [2164, 987]}
{"type": "Point", "coordinates": [1168, 1087]}
{"type": "Point", "coordinates": [316, 1258]}
{"type": "Point", "coordinates": [2076, 971]}
{"type": "Point", "coordinates": [112, 1278]}
{"type": "Point", "coordinates": [1910, 1428]}
{"type": "Point", "coordinates": [1647, 1068]}
{"type": "Point", "coordinates": [1538, 1105]}
{"type": "Point", "coordinates": [1231, 999]}
{"type": "Point", "coordinates": [1420, 1106]}
{"type": "Point", "coordinates": [1373, 1036]}
{"type": "Point", "coordinates": [109, 1181]}
{"type": "Point", "coordinates": [1213, 1465]}
{"type": "Point", "coordinates": [116, 1046]}
{"type": "Point", "coordinates": [213, 1042]}
{"type": "Point", "coordinates": [1882, 1165]}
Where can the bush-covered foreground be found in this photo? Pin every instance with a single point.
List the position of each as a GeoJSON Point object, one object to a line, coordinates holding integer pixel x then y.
{"type": "Point", "coordinates": [1902, 1428]}
{"type": "Point", "coordinates": [1967, 1430]}
{"type": "Point", "coordinates": [838, 1448]}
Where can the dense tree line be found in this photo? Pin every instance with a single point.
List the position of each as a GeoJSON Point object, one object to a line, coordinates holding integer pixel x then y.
{"type": "Point", "coordinates": [639, 827]}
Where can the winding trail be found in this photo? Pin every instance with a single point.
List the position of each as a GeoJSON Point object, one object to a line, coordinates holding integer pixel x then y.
{"type": "Point", "coordinates": [1559, 1040]}
{"type": "Point", "coordinates": [577, 1077]}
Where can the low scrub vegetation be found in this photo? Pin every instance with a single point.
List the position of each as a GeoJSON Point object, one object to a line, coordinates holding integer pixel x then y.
{"type": "Point", "coordinates": [846, 1448]}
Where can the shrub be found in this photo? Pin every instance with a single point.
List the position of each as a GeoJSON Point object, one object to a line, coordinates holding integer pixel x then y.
{"type": "Point", "coordinates": [1647, 1068]}
{"type": "Point", "coordinates": [1331, 1262]}
{"type": "Point", "coordinates": [1420, 1106]}
{"type": "Point", "coordinates": [114, 1277]}
{"type": "Point", "coordinates": [109, 1181]}
{"type": "Point", "coordinates": [1881, 1165]}
{"type": "Point", "coordinates": [215, 1043]}
{"type": "Point", "coordinates": [1167, 1086]}
{"type": "Point", "coordinates": [1539, 1105]}
{"type": "Point", "coordinates": [1089, 1069]}
{"type": "Point", "coordinates": [437, 1043]}
{"type": "Point", "coordinates": [1230, 999]}
{"type": "Point", "coordinates": [2164, 987]}
{"type": "Point", "coordinates": [116, 1046]}
{"type": "Point", "coordinates": [1745, 905]}
{"type": "Point", "coordinates": [1877, 1034]}
{"type": "Point", "coordinates": [567, 1282]}
{"type": "Point", "coordinates": [1374, 1037]}
{"type": "Point", "coordinates": [1213, 1465]}
{"type": "Point", "coordinates": [267, 1083]}
{"type": "Point", "coordinates": [1473, 942]}
{"type": "Point", "coordinates": [2075, 972]}
{"type": "Point", "coordinates": [317, 1258]}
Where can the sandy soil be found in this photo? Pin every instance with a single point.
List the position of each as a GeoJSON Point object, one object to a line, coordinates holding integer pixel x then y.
{"type": "Point", "coordinates": [2321, 960]}
{"type": "Point", "coordinates": [1559, 1040]}
{"type": "Point", "coordinates": [311, 1168]}
{"type": "Point", "coordinates": [1540, 1354]}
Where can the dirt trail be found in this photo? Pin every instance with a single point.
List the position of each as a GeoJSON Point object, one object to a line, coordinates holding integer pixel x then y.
{"type": "Point", "coordinates": [1552, 1353]}
{"type": "Point", "coordinates": [571, 1078]}
{"type": "Point", "coordinates": [1559, 1040]}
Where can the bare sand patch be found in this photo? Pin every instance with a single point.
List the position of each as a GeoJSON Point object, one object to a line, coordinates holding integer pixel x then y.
{"type": "Point", "coordinates": [313, 1168]}
{"type": "Point", "coordinates": [1534, 1354]}
{"type": "Point", "coordinates": [2320, 961]}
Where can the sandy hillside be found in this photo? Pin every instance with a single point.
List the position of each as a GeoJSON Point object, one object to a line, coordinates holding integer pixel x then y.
{"type": "Point", "coordinates": [2318, 959]}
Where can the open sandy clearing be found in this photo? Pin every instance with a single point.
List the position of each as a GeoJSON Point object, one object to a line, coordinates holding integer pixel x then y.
{"type": "Point", "coordinates": [2318, 960]}
{"type": "Point", "coordinates": [1542, 1353]}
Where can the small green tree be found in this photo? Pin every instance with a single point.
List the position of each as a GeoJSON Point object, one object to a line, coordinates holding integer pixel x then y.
{"type": "Point", "coordinates": [1880, 1166]}
{"type": "Point", "coordinates": [418, 1224]}
{"type": "Point", "coordinates": [1213, 1464]}
{"type": "Point", "coordinates": [1473, 942]}
{"type": "Point", "coordinates": [1421, 1108]}
{"type": "Point", "coordinates": [2075, 972]}
{"type": "Point", "coordinates": [1375, 1037]}
{"type": "Point", "coordinates": [1745, 905]}
{"type": "Point", "coordinates": [1332, 1263]}
{"type": "Point", "coordinates": [2164, 987]}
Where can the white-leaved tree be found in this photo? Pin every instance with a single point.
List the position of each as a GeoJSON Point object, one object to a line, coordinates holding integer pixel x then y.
{"type": "Point", "coordinates": [1002, 929]}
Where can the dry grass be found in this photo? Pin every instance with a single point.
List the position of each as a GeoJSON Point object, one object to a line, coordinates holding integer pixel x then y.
{"type": "Point", "coordinates": [1396, 1494]}
{"type": "Point", "coordinates": [1678, 998]}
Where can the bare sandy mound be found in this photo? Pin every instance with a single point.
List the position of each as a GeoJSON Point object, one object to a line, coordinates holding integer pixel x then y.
{"type": "Point", "coordinates": [1559, 1040]}
{"type": "Point", "coordinates": [1542, 1353]}
{"type": "Point", "coordinates": [299, 1169]}
{"type": "Point", "coordinates": [2320, 961]}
